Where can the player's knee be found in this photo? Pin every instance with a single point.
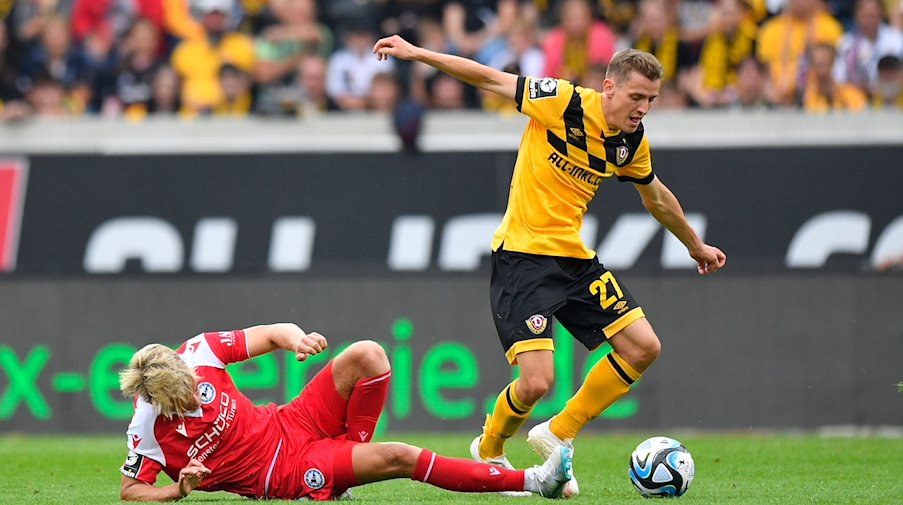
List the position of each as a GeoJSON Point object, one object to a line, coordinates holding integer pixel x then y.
{"type": "Point", "coordinates": [531, 389]}
{"type": "Point", "coordinates": [400, 458]}
{"type": "Point", "coordinates": [649, 351]}
{"type": "Point", "coordinates": [368, 357]}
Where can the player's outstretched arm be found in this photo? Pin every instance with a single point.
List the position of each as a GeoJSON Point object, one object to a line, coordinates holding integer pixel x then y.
{"type": "Point", "coordinates": [190, 477]}
{"type": "Point", "coordinates": [466, 70]}
{"type": "Point", "coordinates": [286, 336]}
{"type": "Point", "coordinates": [664, 207]}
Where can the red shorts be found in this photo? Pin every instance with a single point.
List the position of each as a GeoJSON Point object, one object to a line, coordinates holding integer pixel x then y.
{"type": "Point", "coordinates": [315, 458]}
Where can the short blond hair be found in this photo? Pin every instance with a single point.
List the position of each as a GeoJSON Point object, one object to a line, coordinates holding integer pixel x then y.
{"type": "Point", "coordinates": [157, 375]}
{"type": "Point", "coordinates": [634, 60]}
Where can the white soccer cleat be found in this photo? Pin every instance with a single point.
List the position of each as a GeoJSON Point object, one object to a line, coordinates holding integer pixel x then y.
{"type": "Point", "coordinates": [552, 477]}
{"type": "Point", "coordinates": [544, 444]}
{"type": "Point", "coordinates": [500, 461]}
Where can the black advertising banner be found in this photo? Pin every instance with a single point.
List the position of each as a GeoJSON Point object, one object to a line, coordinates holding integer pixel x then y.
{"type": "Point", "coordinates": [770, 209]}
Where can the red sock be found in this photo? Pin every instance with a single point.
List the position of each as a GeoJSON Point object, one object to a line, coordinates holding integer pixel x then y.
{"type": "Point", "coordinates": [365, 406]}
{"type": "Point", "coordinates": [465, 475]}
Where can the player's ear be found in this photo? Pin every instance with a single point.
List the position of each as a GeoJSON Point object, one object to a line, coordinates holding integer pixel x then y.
{"type": "Point", "coordinates": [608, 87]}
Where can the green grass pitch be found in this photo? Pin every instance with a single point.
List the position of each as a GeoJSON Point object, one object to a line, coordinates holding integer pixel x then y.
{"type": "Point", "coordinates": [743, 469]}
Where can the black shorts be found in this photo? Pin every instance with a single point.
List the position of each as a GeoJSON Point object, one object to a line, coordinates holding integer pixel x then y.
{"type": "Point", "coordinates": [526, 290]}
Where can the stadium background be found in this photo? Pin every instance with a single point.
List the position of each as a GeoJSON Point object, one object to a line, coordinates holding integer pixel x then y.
{"type": "Point", "coordinates": [114, 235]}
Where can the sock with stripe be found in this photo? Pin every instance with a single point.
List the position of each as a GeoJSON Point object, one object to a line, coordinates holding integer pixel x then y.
{"type": "Point", "coordinates": [465, 475]}
{"type": "Point", "coordinates": [365, 406]}
{"type": "Point", "coordinates": [507, 417]}
{"type": "Point", "coordinates": [606, 383]}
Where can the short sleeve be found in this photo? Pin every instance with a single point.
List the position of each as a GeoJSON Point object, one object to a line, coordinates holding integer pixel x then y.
{"type": "Point", "coordinates": [228, 346]}
{"type": "Point", "coordinates": [544, 100]}
{"type": "Point", "coordinates": [141, 468]}
{"type": "Point", "coordinates": [639, 171]}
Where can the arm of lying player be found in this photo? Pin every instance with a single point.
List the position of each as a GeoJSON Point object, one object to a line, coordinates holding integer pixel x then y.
{"type": "Point", "coordinates": [664, 207]}
{"type": "Point", "coordinates": [286, 336]}
{"type": "Point", "coordinates": [469, 71]}
{"type": "Point", "coordinates": [190, 478]}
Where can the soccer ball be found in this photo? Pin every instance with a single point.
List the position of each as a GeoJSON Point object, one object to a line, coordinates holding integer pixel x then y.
{"type": "Point", "coordinates": [661, 467]}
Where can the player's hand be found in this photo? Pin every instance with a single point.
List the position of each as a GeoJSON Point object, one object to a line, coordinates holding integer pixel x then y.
{"type": "Point", "coordinates": [309, 345]}
{"type": "Point", "coordinates": [191, 476]}
{"type": "Point", "coordinates": [396, 47]}
{"type": "Point", "coordinates": [709, 260]}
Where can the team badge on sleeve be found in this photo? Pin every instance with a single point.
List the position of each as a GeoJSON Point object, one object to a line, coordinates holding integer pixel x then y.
{"type": "Point", "coordinates": [314, 478]}
{"type": "Point", "coordinates": [132, 465]}
{"type": "Point", "coordinates": [537, 323]}
{"type": "Point", "coordinates": [543, 88]}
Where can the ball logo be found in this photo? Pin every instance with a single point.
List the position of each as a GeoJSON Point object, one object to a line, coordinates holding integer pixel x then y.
{"type": "Point", "coordinates": [537, 323]}
{"type": "Point", "coordinates": [207, 393]}
{"type": "Point", "coordinates": [543, 88]}
{"type": "Point", "coordinates": [314, 478]}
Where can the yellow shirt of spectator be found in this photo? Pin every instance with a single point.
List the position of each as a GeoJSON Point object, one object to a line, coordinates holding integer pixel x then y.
{"type": "Point", "coordinates": [198, 63]}
{"type": "Point", "coordinates": [783, 41]}
{"type": "Point", "coordinates": [566, 152]}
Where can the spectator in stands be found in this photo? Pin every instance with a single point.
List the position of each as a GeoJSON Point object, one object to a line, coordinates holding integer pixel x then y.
{"type": "Point", "coordinates": [385, 92]}
{"type": "Point", "coordinates": [236, 85]}
{"type": "Point", "coordinates": [351, 69]}
{"type": "Point", "coordinates": [165, 98]}
{"type": "Point", "coordinates": [577, 43]}
{"type": "Point", "coordinates": [730, 41]}
{"type": "Point", "coordinates": [446, 93]}
{"type": "Point", "coordinates": [887, 92]}
{"type": "Point", "coordinates": [127, 83]}
{"type": "Point", "coordinates": [520, 48]}
{"type": "Point", "coordinates": [98, 26]}
{"type": "Point", "coordinates": [46, 97]}
{"type": "Point", "coordinates": [55, 56]}
{"type": "Point", "coordinates": [312, 85]}
{"type": "Point", "coordinates": [619, 14]}
{"type": "Point", "coordinates": [198, 62]}
{"type": "Point", "coordinates": [784, 39]}
{"type": "Point", "coordinates": [477, 28]}
{"type": "Point", "coordinates": [28, 17]}
{"type": "Point", "coordinates": [179, 21]}
{"type": "Point", "coordinates": [279, 49]}
{"type": "Point", "coordinates": [594, 77]}
{"type": "Point", "coordinates": [750, 89]}
{"type": "Point", "coordinates": [861, 48]}
{"type": "Point", "coordinates": [431, 36]}
{"type": "Point", "coordinates": [671, 97]}
{"type": "Point", "coordinates": [655, 31]}
{"type": "Point", "coordinates": [821, 92]}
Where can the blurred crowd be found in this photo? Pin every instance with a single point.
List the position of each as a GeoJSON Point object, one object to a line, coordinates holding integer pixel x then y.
{"type": "Point", "coordinates": [135, 58]}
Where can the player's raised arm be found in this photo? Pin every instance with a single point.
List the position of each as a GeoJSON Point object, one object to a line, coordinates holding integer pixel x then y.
{"type": "Point", "coordinates": [664, 207]}
{"type": "Point", "coordinates": [286, 336]}
{"type": "Point", "coordinates": [466, 70]}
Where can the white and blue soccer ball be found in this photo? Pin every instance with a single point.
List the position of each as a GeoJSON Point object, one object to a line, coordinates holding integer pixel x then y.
{"type": "Point", "coordinates": [661, 467]}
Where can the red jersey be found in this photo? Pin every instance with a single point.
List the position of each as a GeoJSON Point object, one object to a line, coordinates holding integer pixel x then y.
{"type": "Point", "coordinates": [237, 441]}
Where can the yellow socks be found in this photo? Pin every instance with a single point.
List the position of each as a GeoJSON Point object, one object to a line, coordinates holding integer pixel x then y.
{"type": "Point", "coordinates": [606, 383]}
{"type": "Point", "coordinates": [507, 417]}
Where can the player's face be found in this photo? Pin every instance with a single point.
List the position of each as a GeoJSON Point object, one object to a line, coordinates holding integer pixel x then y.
{"type": "Point", "coordinates": [629, 100]}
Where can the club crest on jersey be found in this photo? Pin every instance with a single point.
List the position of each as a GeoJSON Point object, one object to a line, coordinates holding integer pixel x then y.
{"type": "Point", "coordinates": [314, 478]}
{"type": "Point", "coordinates": [543, 88]}
{"type": "Point", "coordinates": [207, 393]}
{"type": "Point", "coordinates": [537, 323]}
{"type": "Point", "coordinates": [622, 153]}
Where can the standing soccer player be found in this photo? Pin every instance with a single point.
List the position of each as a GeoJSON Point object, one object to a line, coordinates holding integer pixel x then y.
{"type": "Point", "coordinates": [576, 139]}
{"type": "Point", "coordinates": [193, 424]}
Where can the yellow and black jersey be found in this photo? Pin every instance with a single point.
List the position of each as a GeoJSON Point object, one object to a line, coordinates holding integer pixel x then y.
{"type": "Point", "coordinates": [567, 150]}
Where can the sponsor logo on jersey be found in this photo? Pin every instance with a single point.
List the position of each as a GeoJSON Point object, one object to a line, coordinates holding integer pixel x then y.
{"type": "Point", "coordinates": [207, 393]}
{"type": "Point", "coordinates": [205, 444]}
{"type": "Point", "coordinates": [132, 464]}
{"type": "Point", "coordinates": [314, 478]}
{"type": "Point", "coordinates": [622, 153]}
{"type": "Point", "coordinates": [226, 338]}
{"type": "Point", "coordinates": [537, 323]}
{"type": "Point", "coordinates": [620, 306]}
{"type": "Point", "coordinates": [543, 88]}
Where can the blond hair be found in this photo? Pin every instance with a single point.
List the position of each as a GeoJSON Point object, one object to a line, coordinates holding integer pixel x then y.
{"type": "Point", "coordinates": [634, 60]}
{"type": "Point", "coordinates": [157, 375]}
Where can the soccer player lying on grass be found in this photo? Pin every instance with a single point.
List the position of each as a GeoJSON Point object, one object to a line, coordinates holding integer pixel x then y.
{"type": "Point", "coordinates": [192, 423]}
